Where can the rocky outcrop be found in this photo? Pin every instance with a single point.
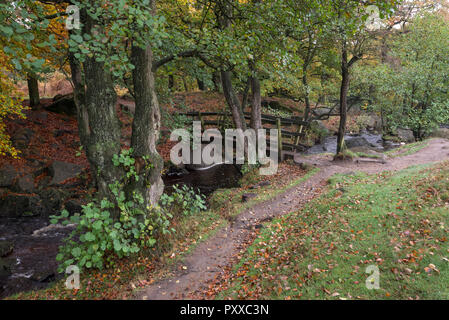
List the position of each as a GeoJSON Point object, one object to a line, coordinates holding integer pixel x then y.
{"type": "Point", "coordinates": [21, 138]}
{"type": "Point", "coordinates": [321, 112]}
{"type": "Point", "coordinates": [61, 171]}
{"type": "Point", "coordinates": [374, 123]}
{"type": "Point", "coordinates": [275, 105]}
{"type": "Point", "coordinates": [7, 175]}
{"type": "Point", "coordinates": [357, 142]}
{"type": "Point", "coordinates": [63, 104]}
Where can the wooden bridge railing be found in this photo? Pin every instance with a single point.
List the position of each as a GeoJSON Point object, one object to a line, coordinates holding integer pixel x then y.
{"type": "Point", "coordinates": [295, 136]}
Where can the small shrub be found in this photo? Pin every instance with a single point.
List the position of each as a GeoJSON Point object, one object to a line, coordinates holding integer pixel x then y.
{"type": "Point", "coordinates": [183, 201]}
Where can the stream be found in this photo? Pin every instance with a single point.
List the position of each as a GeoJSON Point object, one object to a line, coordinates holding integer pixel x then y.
{"type": "Point", "coordinates": [375, 140]}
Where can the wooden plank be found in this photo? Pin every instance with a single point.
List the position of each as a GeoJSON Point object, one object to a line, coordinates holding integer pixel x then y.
{"type": "Point", "coordinates": [294, 146]}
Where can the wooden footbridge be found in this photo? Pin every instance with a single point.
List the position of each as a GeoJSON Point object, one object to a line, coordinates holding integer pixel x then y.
{"type": "Point", "coordinates": [290, 130]}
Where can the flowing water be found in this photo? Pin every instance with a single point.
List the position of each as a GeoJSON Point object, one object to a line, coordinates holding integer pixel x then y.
{"type": "Point", "coordinates": [330, 143]}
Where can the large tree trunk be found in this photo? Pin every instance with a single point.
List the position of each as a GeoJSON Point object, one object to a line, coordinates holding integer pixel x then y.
{"type": "Point", "coordinates": [343, 100]}
{"type": "Point", "coordinates": [256, 104]}
{"type": "Point", "coordinates": [98, 122]}
{"type": "Point", "coordinates": [232, 100]}
{"type": "Point", "coordinates": [146, 127]}
{"type": "Point", "coordinates": [33, 90]}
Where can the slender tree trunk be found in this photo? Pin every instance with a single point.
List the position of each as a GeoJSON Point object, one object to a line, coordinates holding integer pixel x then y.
{"type": "Point", "coordinates": [216, 80]}
{"type": "Point", "coordinates": [245, 94]}
{"type": "Point", "coordinates": [305, 83]}
{"type": "Point", "coordinates": [256, 104]}
{"type": "Point", "coordinates": [184, 82]}
{"type": "Point", "coordinates": [233, 101]}
{"type": "Point", "coordinates": [171, 81]}
{"type": "Point", "coordinates": [343, 100]}
{"type": "Point", "coordinates": [200, 84]}
{"type": "Point", "coordinates": [33, 90]}
{"type": "Point", "coordinates": [146, 128]}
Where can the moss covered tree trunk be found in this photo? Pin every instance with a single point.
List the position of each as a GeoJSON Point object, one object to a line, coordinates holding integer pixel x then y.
{"type": "Point", "coordinates": [146, 128]}
{"type": "Point", "coordinates": [98, 123]}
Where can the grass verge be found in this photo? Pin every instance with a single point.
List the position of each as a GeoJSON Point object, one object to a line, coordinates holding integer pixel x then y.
{"type": "Point", "coordinates": [396, 222]}
{"type": "Point", "coordinates": [407, 149]}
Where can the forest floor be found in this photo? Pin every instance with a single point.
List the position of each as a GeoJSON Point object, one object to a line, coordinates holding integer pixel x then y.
{"type": "Point", "coordinates": [200, 274]}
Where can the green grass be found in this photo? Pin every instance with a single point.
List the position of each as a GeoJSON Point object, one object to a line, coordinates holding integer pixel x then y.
{"type": "Point", "coordinates": [397, 222]}
{"type": "Point", "coordinates": [407, 149]}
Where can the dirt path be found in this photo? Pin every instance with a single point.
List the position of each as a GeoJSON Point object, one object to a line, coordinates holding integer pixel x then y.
{"type": "Point", "coordinates": [209, 258]}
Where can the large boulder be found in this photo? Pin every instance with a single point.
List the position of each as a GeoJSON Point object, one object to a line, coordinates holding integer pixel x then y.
{"type": "Point", "coordinates": [322, 111]}
{"type": "Point", "coordinates": [22, 137]}
{"type": "Point", "coordinates": [7, 175]}
{"type": "Point", "coordinates": [357, 142]}
{"type": "Point", "coordinates": [405, 135]}
{"type": "Point", "coordinates": [24, 184]}
{"type": "Point", "coordinates": [20, 205]}
{"type": "Point", "coordinates": [374, 123]}
{"type": "Point", "coordinates": [63, 104]}
{"type": "Point", "coordinates": [61, 171]}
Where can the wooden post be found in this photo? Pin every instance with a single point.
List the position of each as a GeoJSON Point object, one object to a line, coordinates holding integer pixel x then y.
{"type": "Point", "coordinates": [202, 121]}
{"type": "Point", "coordinates": [278, 122]}
{"type": "Point", "coordinates": [300, 127]}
